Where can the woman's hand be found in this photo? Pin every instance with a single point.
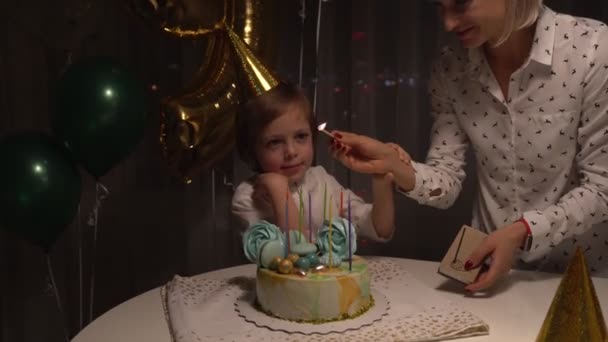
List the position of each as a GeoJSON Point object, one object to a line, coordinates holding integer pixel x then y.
{"type": "Point", "coordinates": [501, 246]}
{"type": "Point", "coordinates": [366, 155]}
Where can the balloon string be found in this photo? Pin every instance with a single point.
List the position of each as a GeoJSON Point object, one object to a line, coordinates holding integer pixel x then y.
{"type": "Point", "coordinates": [318, 26]}
{"type": "Point", "coordinates": [57, 298]}
{"type": "Point", "coordinates": [80, 272]}
{"type": "Point", "coordinates": [314, 98]}
{"type": "Point", "coordinates": [101, 192]}
{"type": "Point", "coordinates": [68, 61]}
{"type": "Point", "coordinates": [213, 205]}
{"type": "Point", "coordinates": [303, 18]}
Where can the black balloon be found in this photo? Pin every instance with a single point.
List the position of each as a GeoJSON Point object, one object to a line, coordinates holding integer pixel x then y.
{"type": "Point", "coordinates": [100, 113]}
{"type": "Point", "coordinates": [40, 187]}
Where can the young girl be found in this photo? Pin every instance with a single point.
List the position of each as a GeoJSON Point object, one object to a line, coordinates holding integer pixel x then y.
{"type": "Point", "coordinates": [275, 136]}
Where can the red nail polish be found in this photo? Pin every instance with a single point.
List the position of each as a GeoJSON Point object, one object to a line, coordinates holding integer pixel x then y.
{"type": "Point", "coordinates": [338, 135]}
{"type": "Point", "coordinates": [468, 265]}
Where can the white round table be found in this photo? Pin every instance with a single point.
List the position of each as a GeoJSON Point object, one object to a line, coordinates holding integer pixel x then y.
{"type": "Point", "coordinates": [515, 310]}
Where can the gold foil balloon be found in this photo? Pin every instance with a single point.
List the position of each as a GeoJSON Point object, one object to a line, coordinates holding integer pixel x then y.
{"type": "Point", "coordinates": [197, 128]}
{"type": "Point", "coordinates": [252, 20]}
{"type": "Point", "coordinates": [255, 22]}
{"type": "Point", "coordinates": [197, 124]}
{"type": "Point", "coordinates": [201, 17]}
{"type": "Point", "coordinates": [575, 313]}
{"type": "Point", "coordinates": [183, 17]}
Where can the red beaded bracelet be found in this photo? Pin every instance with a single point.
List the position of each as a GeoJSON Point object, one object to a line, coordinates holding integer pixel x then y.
{"type": "Point", "coordinates": [523, 220]}
{"type": "Point", "coordinates": [527, 243]}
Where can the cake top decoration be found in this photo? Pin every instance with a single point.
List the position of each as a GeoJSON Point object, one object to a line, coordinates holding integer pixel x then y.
{"type": "Point", "coordinates": [256, 235]}
{"type": "Point", "coordinates": [339, 238]}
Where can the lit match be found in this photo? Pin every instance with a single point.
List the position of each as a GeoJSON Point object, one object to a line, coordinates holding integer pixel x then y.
{"type": "Point", "coordinates": [321, 128]}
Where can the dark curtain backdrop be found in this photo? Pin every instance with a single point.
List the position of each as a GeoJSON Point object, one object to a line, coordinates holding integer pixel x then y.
{"type": "Point", "coordinates": [372, 65]}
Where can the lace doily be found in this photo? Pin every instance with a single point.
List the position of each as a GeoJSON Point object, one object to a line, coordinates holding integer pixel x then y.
{"type": "Point", "coordinates": [202, 309]}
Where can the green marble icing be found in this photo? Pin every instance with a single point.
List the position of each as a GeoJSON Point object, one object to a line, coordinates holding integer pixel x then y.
{"type": "Point", "coordinates": [342, 317]}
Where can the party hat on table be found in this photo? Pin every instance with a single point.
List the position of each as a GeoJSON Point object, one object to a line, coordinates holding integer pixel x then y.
{"type": "Point", "coordinates": [575, 313]}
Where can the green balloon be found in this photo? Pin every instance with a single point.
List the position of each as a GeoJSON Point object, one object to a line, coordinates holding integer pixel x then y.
{"type": "Point", "coordinates": [40, 187]}
{"type": "Point", "coordinates": [100, 113]}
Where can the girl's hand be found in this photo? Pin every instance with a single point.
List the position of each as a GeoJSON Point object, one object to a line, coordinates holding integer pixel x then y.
{"type": "Point", "coordinates": [269, 186]}
{"type": "Point", "coordinates": [501, 246]}
{"type": "Point", "coordinates": [403, 156]}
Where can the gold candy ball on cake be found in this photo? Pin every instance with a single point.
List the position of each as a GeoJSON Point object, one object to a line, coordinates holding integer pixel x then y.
{"type": "Point", "coordinates": [274, 263]}
{"type": "Point", "coordinates": [285, 266]}
{"type": "Point", "coordinates": [293, 258]}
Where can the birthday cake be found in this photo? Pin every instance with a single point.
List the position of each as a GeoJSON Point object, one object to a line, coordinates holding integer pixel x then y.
{"type": "Point", "coordinates": [305, 281]}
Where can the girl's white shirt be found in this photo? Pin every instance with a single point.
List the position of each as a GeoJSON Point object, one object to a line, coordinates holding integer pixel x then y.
{"type": "Point", "coordinates": [314, 182]}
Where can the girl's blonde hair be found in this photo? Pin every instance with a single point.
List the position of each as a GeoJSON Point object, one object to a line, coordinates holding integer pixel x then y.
{"type": "Point", "coordinates": [520, 14]}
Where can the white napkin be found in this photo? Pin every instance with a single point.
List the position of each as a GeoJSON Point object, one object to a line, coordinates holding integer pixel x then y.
{"type": "Point", "coordinates": [200, 309]}
{"type": "Point", "coordinates": [203, 309]}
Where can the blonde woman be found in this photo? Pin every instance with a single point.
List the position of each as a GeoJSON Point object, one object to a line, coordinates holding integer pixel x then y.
{"type": "Point", "coordinates": [527, 90]}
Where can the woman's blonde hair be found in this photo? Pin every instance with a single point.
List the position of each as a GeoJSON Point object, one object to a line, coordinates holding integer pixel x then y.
{"type": "Point", "coordinates": [519, 14]}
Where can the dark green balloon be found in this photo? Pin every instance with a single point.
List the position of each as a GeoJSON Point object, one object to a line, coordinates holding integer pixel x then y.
{"type": "Point", "coordinates": [40, 187]}
{"type": "Point", "coordinates": [100, 113]}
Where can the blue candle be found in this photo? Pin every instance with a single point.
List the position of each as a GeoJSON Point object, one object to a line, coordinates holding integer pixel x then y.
{"type": "Point", "coordinates": [309, 218]}
{"type": "Point", "coordinates": [300, 215]}
{"type": "Point", "coordinates": [287, 249]}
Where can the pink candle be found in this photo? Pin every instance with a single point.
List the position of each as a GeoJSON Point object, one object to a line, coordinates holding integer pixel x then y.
{"type": "Point", "coordinates": [350, 244]}
{"type": "Point", "coordinates": [331, 260]}
{"type": "Point", "coordinates": [341, 203]}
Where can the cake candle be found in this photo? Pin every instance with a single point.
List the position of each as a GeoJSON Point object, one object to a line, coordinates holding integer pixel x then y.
{"type": "Point", "coordinates": [324, 202]}
{"type": "Point", "coordinates": [287, 245]}
{"type": "Point", "coordinates": [331, 260]}
{"type": "Point", "coordinates": [309, 218]}
{"type": "Point", "coordinates": [350, 243]}
{"type": "Point", "coordinates": [341, 204]}
{"type": "Point", "coordinates": [300, 215]}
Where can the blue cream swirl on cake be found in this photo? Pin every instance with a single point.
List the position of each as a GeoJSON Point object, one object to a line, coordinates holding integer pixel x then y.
{"type": "Point", "coordinates": [339, 238]}
{"type": "Point", "coordinates": [256, 236]}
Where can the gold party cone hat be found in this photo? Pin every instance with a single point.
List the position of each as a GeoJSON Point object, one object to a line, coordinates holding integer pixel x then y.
{"type": "Point", "coordinates": [254, 77]}
{"type": "Point", "coordinates": [575, 313]}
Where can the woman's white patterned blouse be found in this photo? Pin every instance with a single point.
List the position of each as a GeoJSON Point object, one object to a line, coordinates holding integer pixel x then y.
{"type": "Point", "coordinates": [541, 153]}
